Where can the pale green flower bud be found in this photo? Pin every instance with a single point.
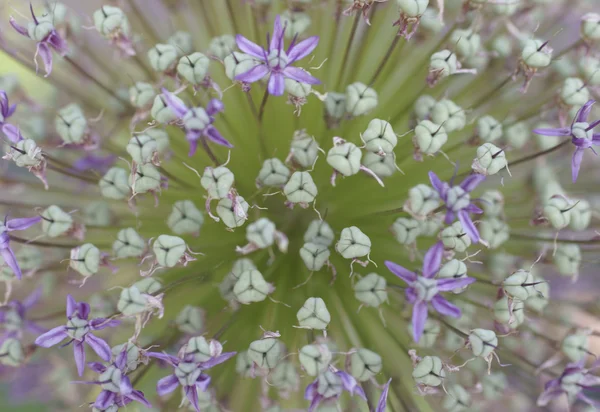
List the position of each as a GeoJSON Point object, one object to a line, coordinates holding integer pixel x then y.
{"type": "Point", "coordinates": [345, 158]}
{"type": "Point", "coordinates": [163, 57]}
{"type": "Point", "coordinates": [217, 181]}
{"type": "Point", "coordinates": [567, 259]}
{"type": "Point", "coordinates": [457, 399]}
{"type": "Point", "coordinates": [492, 203]}
{"type": "Point", "coordinates": [453, 269]}
{"type": "Point", "coordinates": [574, 92]}
{"type": "Point", "coordinates": [185, 218]}
{"type": "Point", "coordinates": [300, 188]}
{"type": "Point", "coordinates": [360, 99]}
{"type": "Point", "coordinates": [314, 255]}
{"type": "Point", "coordinates": [379, 137]}
{"type": "Point", "coordinates": [297, 22]}
{"type": "Point", "coordinates": [304, 150]}
{"type": "Point", "coordinates": [85, 259]}
{"type": "Point", "coordinates": [160, 137]}
{"type": "Point", "coordinates": [142, 149]}
{"type": "Point", "coordinates": [443, 63]}
{"type": "Point", "coordinates": [455, 238]}
{"type": "Point", "coordinates": [429, 137]}
{"type": "Point", "coordinates": [502, 46]}
{"type": "Point", "coordinates": [196, 119]}
{"type": "Point", "coordinates": [193, 67]}
{"type": "Point", "coordinates": [238, 63]}
{"type": "Point", "coordinates": [406, 230]}
{"type": "Point", "coordinates": [132, 302]}
{"type": "Point", "coordinates": [55, 221]}
{"type": "Point", "coordinates": [353, 243]}
{"type": "Point", "coordinates": [429, 371]}
{"type": "Point", "coordinates": [483, 342]}
{"type": "Point", "coordinates": [590, 26]}
{"type": "Point", "coordinates": [261, 233]}
{"type": "Point", "coordinates": [382, 166]}
{"type": "Point", "coordinates": [488, 129]}
{"type": "Point", "coordinates": [148, 285]}
{"type": "Point", "coordinates": [538, 298]}
{"type": "Point", "coordinates": [422, 200]}
{"type": "Point", "coordinates": [133, 354]}
{"type": "Point", "coordinates": [365, 364]}
{"type": "Point", "coordinates": [329, 385]}
{"type": "Point", "coordinates": [546, 142]}
{"type": "Point", "coordinates": [423, 105]}
{"type": "Point", "coordinates": [430, 21]}
{"type": "Point", "coordinates": [494, 385]}
{"type": "Point", "coordinates": [581, 215]}
{"type": "Point", "coordinates": [575, 346]}
{"type": "Point", "coordinates": [506, 7]}
{"type": "Point", "coordinates": [319, 232]}
{"type": "Point", "coordinates": [431, 227]}
{"type": "Point", "coordinates": [41, 30]}
{"type": "Point", "coordinates": [448, 114]}
{"type": "Point", "coordinates": [565, 67]}
{"type": "Point", "coordinates": [146, 179]}
{"type": "Point", "coordinates": [466, 42]}
{"type": "Point", "coordinates": [169, 250]}
{"type": "Point", "coordinates": [240, 266]}
{"type": "Point", "coordinates": [489, 159]}
{"type": "Point", "coordinates": [557, 210]}
{"type": "Point", "coordinates": [71, 124]}
{"type": "Point", "coordinates": [231, 217]}
{"type": "Point", "coordinates": [182, 41]}
{"type": "Point", "coordinates": [97, 213]}
{"type": "Point", "coordinates": [111, 21]}
{"type": "Point", "coordinates": [536, 54]}
{"type": "Point", "coordinates": [513, 319]}
{"type": "Point", "coordinates": [589, 67]}
{"type": "Point", "coordinates": [273, 173]}
{"type": "Point", "coordinates": [251, 287]}
{"type": "Point", "coordinates": [499, 263]}
{"type": "Point", "coordinates": [285, 377]}
{"type": "Point", "coordinates": [314, 358]}
{"type": "Point", "coordinates": [297, 89]}
{"type": "Point", "coordinates": [494, 231]}
{"type": "Point", "coordinates": [190, 320]}
{"type": "Point", "coordinates": [243, 364]}
{"type": "Point", "coordinates": [265, 353]}
{"type": "Point", "coordinates": [11, 352]}
{"type": "Point", "coordinates": [221, 46]}
{"type": "Point", "coordinates": [517, 135]}
{"type": "Point", "coordinates": [128, 244]}
{"type": "Point", "coordinates": [371, 290]}
{"type": "Point", "coordinates": [161, 112]}
{"type": "Point", "coordinates": [335, 105]}
{"type": "Point", "coordinates": [313, 314]}
{"type": "Point", "coordinates": [28, 154]}
{"type": "Point", "coordinates": [519, 285]}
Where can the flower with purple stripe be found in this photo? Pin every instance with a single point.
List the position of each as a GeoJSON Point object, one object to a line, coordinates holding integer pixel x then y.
{"type": "Point", "coordinates": [458, 201]}
{"type": "Point", "coordinates": [423, 289]}
{"type": "Point", "coordinates": [277, 62]}
{"type": "Point", "coordinates": [5, 250]}
{"type": "Point", "coordinates": [581, 133]}
{"type": "Point", "coordinates": [572, 383]}
{"type": "Point", "coordinates": [79, 328]}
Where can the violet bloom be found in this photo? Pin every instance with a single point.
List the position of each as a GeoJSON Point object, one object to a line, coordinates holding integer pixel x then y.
{"type": "Point", "coordinates": [188, 373]}
{"type": "Point", "coordinates": [79, 328]}
{"type": "Point", "coordinates": [116, 386]}
{"type": "Point", "coordinates": [44, 33]}
{"type": "Point", "coordinates": [572, 382]}
{"type": "Point", "coordinates": [383, 398]}
{"type": "Point", "coordinates": [458, 201]}
{"type": "Point", "coordinates": [582, 135]}
{"type": "Point", "coordinates": [93, 162]}
{"type": "Point", "coordinates": [276, 62]}
{"type": "Point", "coordinates": [327, 388]}
{"type": "Point", "coordinates": [13, 317]}
{"type": "Point", "coordinates": [5, 250]}
{"type": "Point", "coordinates": [6, 110]}
{"type": "Point", "coordinates": [197, 121]}
{"type": "Point", "coordinates": [424, 289]}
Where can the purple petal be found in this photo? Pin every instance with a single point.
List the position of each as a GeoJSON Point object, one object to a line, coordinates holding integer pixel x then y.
{"type": "Point", "coordinates": [71, 306]}
{"type": "Point", "coordinates": [215, 106]}
{"type": "Point", "coordinates": [311, 390]}
{"type": "Point", "coordinates": [449, 218]}
{"type": "Point", "coordinates": [349, 384]}
{"type": "Point", "coordinates": [473, 209]}
{"type": "Point", "coordinates": [314, 403]}
{"type": "Point", "coordinates": [403, 273]}
{"type": "Point", "coordinates": [33, 298]}
{"type": "Point", "coordinates": [12, 133]}
{"type": "Point", "coordinates": [584, 112]}
{"type": "Point", "coordinates": [173, 360]}
{"type": "Point", "coordinates": [302, 49]}
{"type": "Point", "coordinates": [192, 394]}
{"type": "Point", "coordinates": [581, 143]}
{"type": "Point", "coordinates": [44, 51]}
{"type": "Point", "coordinates": [104, 400]}
{"type": "Point", "coordinates": [22, 30]}
{"type": "Point", "coordinates": [433, 260]}
{"type": "Point", "coordinates": [22, 223]}
{"type": "Point", "coordinates": [249, 47]}
{"type": "Point", "coordinates": [383, 398]}
{"type": "Point", "coordinates": [590, 401]}
{"type": "Point", "coordinates": [96, 367]}
{"type": "Point", "coordinates": [419, 317]}
{"type": "Point", "coordinates": [549, 395]}
{"type": "Point", "coordinates": [99, 346]}
{"type": "Point", "coordinates": [83, 310]}
{"type": "Point", "coordinates": [563, 131]}
{"type": "Point", "coordinates": [300, 75]}
{"type": "Point", "coordinates": [11, 260]}
{"type": "Point", "coordinates": [52, 337]}
{"type": "Point", "coordinates": [471, 182]}
{"type": "Point", "coordinates": [277, 39]}
{"type": "Point", "coordinates": [138, 396]}
{"type": "Point", "coordinates": [437, 184]}
{"type": "Point", "coordinates": [167, 385]}
{"type": "Point", "coordinates": [589, 380]}
{"type": "Point", "coordinates": [79, 355]}
{"type": "Point", "coordinates": [102, 323]}
{"type": "Point", "coordinates": [174, 103]}
{"type": "Point", "coordinates": [217, 360]}
{"type": "Point", "coordinates": [34, 328]}
{"type": "Point", "coordinates": [596, 139]}
{"type": "Point", "coordinates": [468, 226]}
{"type": "Point", "coordinates": [214, 135]}
{"type": "Point", "coordinates": [254, 74]}
{"type": "Point", "coordinates": [276, 84]}
{"type": "Point", "coordinates": [576, 163]}
{"type": "Point", "coordinates": [58, 43]}
{"type": "Point", "coordinates": [448, 284]}
{"type": "Point", "coordinates": [444, 307]}
{"type": "Point", "coordinates": [203, 382]}
{"type": "Point", "coordinates": [125, 387]}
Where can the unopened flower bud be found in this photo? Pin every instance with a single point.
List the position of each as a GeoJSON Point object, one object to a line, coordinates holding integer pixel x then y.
{"type": "Point", "coordinates": [296, 22]}
{"type": "Point", "coordinates": [371, 290]}
{"type": "Point", "coordinates": [231, 215]}
{"type": "Point", "coordinates": [11, 352]}
{"type": "Point", "coordinates": [162, 57]}
{"type": "Point", "coordinates": [182, 41]}
{"type": "Point", "coordinates": [314, 255]}
{"type": "Point", "coordinates": [575, 346]}
{"type": "Point", "coordinates": [567, 259]}
{"type": "Point", "coordinates": [353, 243]}
{"type": "Point", "coordinates": [443, 63]}
{"type": "Point", "coordinates": [128, 244]}
{"type": "Point", "coordinates": [168, 250]}
{"type": "Point", "coordinates": [335, 105]}
{"type": "Point", "coordinates": [581, 215]}
{"type": "Point", "coordinates": [190, 320]}
{"type": "Point", "coordinates": [142, 148]}
{"type": "Point", "coordinates": [161, 112]}
{"type": "Point", "coordinates": [146, 179]}
{"type": "Point", "coordinates": [300, 188]}
{"type": "Point", "coordinates": [71, 124]}
{"type": "Point", "coordinates": [457, 399]}
{"type": "Point", "coordinates": [319, 232]}
{"type": "Point", "coordinates": [536, 54]}
{"type": "Point", "coordinates": [251, 287]}
{"type": "Point", "coordinates": [345, 158]}
{"type": "Point", "coordinates": [494, 231]}
{"type": "Point", "coordinates": [448, 114]}
{"type": "Point", "coordinates": [466, 42]}
{"type": "Point", "coordinates": [111, 21]}
{"type": "Point", "coordinates": [512, 318]}
{"type": "Point", "coordinates": [365, 364]}
{"type": "Point", "coordinates": [360, 99]}
{"type": "Point", "coordinates": [55, 221]}
{"type": "Point", "coordinates": [221, 46]}
{"type": "Point", "coordinates": [193, 67]}
{"type": "Point", "coordinates": [557, 210]}
{"type": "Point", "coordinates": [185, 218]}
{"type": "Point", "coordinates": [429, 371]}
{"type": "Point", "coordinates": [314, 314]}
{"type": "Point", "coordinates": [455, 238]}
{"type": "Point", "coordinates": [488, 129]}
{"type": "Point", "coordinates": [314, 358]}
{"type": "Point", "coordinates": [590, 26]}
{"type": "Point", "coordinates": [573, 92]}
{"type": "Point", "coordinates": [423, 106]}
{"type": "Point", "coordinates": [85, 259]}
{"type": "Point", "coordinates": [406, 230]}
{"type": "Point", "coordinates": [429, 137]}
{"type": "Point", "coordinates": [379, 137]}
{"type": "Point", "coordinates": [382, 166]}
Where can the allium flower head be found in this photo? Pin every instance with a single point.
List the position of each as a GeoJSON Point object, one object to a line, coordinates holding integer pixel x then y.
{"type": "Point", "coordinates": [318, 205]}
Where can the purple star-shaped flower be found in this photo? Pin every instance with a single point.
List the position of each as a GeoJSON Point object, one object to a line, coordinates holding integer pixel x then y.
{"type": "Point", "coordinates": [424, 289]}
{"type": "Point", "coordinates": [43, 31]}
{"type": "Point", "coordinates": [197, 121]}
{"type": "Point", "coordinates": [458, 201]}
{"type": "Point", "coordinates": [311, 393]}
{"type": "Point", "coordinates": [13, 317]}
{"type": "Point", "coordinates": [572, 382]}
{"type": "Point", "coordinates": [116, 386]}
{"type": "Point", "coordinates": [79, 328]}
{"type": "Point", "coordinates": [188, 373]}
{"type": "Point", "coordinates": [277, 62]}
{"type": "Point", "coordinates": [5, 250]}
{"type": "Point", "coordinates": [582, 136]}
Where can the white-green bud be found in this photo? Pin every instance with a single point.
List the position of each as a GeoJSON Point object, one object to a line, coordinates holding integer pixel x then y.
{"type": "Point", "coordinates": [297, 89]}
{"type": "Point", "coordinates": [412, 8]}
{"type": "Point", "coordinates": [379, 137]}
{"type": "Point", "coordinates": [422, 200]}
{"type": "Point", "coordinates": [574, 92]}
{"type": "Point", "coordinates": [429, 137]}
{"type": "Point", "coordinates": [494, 385]}
{"type": "Point", "coordinates": [536, 54]}
{"type": "Point", "coordinates": [429, 371]}
{"type": "Point", "coordinates": [141, 94]}
{"type": "Point", "coordinates": [517, 135]}
{"type": "Point", "coordinates": [519, 285]}
{"type": "Point", "coordinates": [371, 290]}
{"type": "Point", "coordinates": [423, 106]}
{"type": "Point", "coordinates": [353, 243]}
{"type": "Point", "coordinates": [432, 226]}
{"type": "Point", "coordinates": [304, 150]}
{"type": "Point", "coordinates": [443, 63]}
{"type": "Point", "coordinates": [237, 63]}
{"type": "Point", "coordinates": [492, 203]}
{"type": "Point", "coordinates": [160, 137]}
{"type": "Point", "coordinates": [457, 399]}
{"type": "Point", "coordinates": [313, 314]}
{"type": "Point", "coordinates": [453, 269]}
{"type": "Point", "coordinates": [575, 346]}
{"type": "Point", "coordinates": [589, 66]}
{"type": "Point", "coordinates": [110, 21]}
{"type": "Point", "coordinates": [185, 218]}
{"type": "Point", "coordinates": [193, 68]}
{"type": "Point", "coordinates": [406, 230]}
{"type": "Point", "coordinates": [430, 21]}
{"type": "Point", "coordinates": [300, 188]}
{"type": "Point", "coordinates": [169, 250]}
{"type": "Point", "coordinates": [226, 287]}
{"type": "Point", "coordinates": [538, 298]}
{"type": "Point", "coordinates": [345, 158]}
{"type": "Point", "coordinates": [11, 352]}
{"type": "Point", "coordinates": [489, 129]}
{"type": "Point", "coordinates": [41, 30]}
{"type": "Point", "coordinates": [128, 244]}
{"type": "Point", "coordinates": [314, 255]}
{"type": "Point", "coordinates": [163, 57]}
{"type": "Point", "coordinates": [97, 213]}
{"type": "Point", "coordinates": [506, 7]}
{"type": "Point", "coordinates": [145, 179]}
{"type": "Point", "coordinates": [483, 342]}
{"type": "Point", "coordinates": [319, 232]}
{"type": "Point", "coordinates": [182, 41]}
{"type": "Point", "coordinates": [217, 181]}
{"type": "Point", "coordinates": [261, 233]}
{"type": "Point", "coordinates": [285, 378]}
{"type": "Point", "coordinates": [133, 354]}
{"type": "Point", "coordinates": [240, 266]}
{"type": "Point", "coordinates": [431, 331]}
{"type": "Point", "coordinates": [365, 364]}
{"type": "Point", "coordinates": [466, 42]}
{"type": "Point", "coordinates": [546, 142]}
{"type": "Point", "coordinates": [503, 315]}
{"type": "Point", "coordinates": [85, 259]}
{"type": "Point", "coordinates": [202, 349]}
{"type": "Point", "coordinates": [71, 124]}
{"type": "Point", "coordinates": [455, 238]}
{"type": "Point", "coordinates": [55, 221]}
{"type": "Point", "coordinates": [28, 154]}
{"type": "Point", "coordinates": [382, 166]}
{"type": "Point", "coordinates": [502, 46]}
{"type": "Point", "coordinates": [360, 99]}
{"type": "Point", "coordinates": [557, 210]}
{"type": "Point", "coordinates": [142, 148]}
{"type": "Point", "coordinates": [265, 353]}
{"type": "Point", "coordinates": [273, 173]}
{"type": "Point", "coordinates": [148, 285]}
{"type": "Point", "coordinates": [231, 215]}
{"type": "Point", "coordinates": [221, 46]}
{"type": "Point", "coordinates": [161, 112]}
{"type": "Point", "coordinates": [190, 320]}
{"type": "Point", "coordinates": [448, 114]}
{"type": "Point", "coordinates": [581, 215]}
{"type": "Point", "coordinates": [196, 119]}
{"type": "Point", "coordinates": [296, 22]}
{"type": "Point", "coordinates": [315, 358]}
{"type": "Point", "coordinates": [567, 259]}
{"type": "Point", "coordinates": [244, 365]}
{"type": "Point", "coordinates": [251, 287]}
{"type": "Point", "coordinates": [590, 26]}
{"type": "Point", "coordinates": [494, 231]}
{"type": "Point", "coordinates": [132, 302]}
{"type": "Point", "coordinates": [329, 385]}
{"type": "Point", "coordinates": [335, 105]}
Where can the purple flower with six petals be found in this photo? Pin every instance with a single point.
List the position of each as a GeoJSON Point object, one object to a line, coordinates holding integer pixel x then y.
{"type": "Point", "coordinates": [582, 136]}
{"type": "Point", "coordinates": [424, 289]}
{"type": "Point", "coordinates": [5, 250]}
{"type": "Point", "coordinates": [79, 328]}
{"type": "Point", "coordinates": [276, 62]}
{"type": "Point", "coordinates": [458, 201]}
{"type": "Point", "coordinates": [574, 379]}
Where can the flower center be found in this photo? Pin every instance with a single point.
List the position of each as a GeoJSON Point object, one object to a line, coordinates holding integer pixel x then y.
{"type": "Point", "coordinates": [457, 199]}
{"type": "Point", "coordinates": [187, 373]}
{"type": "Point", "coordinates": [426, 288]}
{"type": "Point", "coordinates": [111, 379]}
{"type": "Point", "coordinates": [579, 131]}
{"type": "Point", "coordinates": [278, 59]}
{"type": "Point", "coordinates": [77, 328]}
